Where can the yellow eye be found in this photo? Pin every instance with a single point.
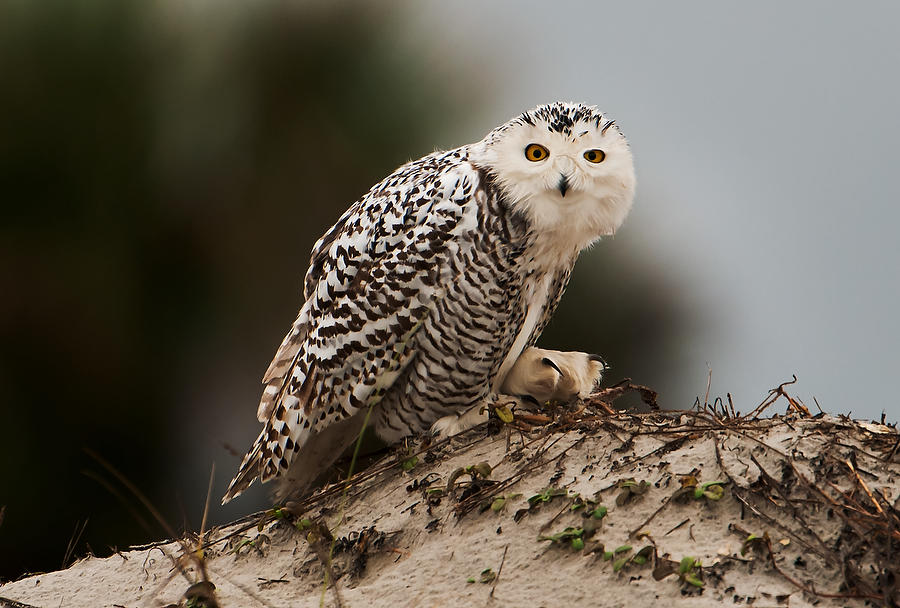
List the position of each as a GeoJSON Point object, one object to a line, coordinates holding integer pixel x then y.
{"type": "Point", "coordinates": [536, 152]}
{"type": "Point", "coordinates": [594, 156]}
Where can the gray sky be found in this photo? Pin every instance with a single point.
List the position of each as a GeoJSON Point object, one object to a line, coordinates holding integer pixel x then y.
{"type": "Point", "coordinates": [766, 139]}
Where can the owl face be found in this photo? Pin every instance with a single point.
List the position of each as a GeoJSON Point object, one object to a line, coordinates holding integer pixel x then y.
{"type": "Point", "coordinates": [565, 166]}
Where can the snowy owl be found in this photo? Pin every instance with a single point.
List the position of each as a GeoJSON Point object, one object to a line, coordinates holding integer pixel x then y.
{"type": "Point", "coordinates": [423, 302]}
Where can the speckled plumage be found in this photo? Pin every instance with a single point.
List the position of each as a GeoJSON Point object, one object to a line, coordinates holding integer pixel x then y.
{"type": "Point", "coordinates": [421, 297]}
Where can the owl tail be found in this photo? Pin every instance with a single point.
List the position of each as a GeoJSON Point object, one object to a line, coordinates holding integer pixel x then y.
{"type": "Point", "coordinates": [250, 469]}
{"type": "Point", "coordinates": [259, 462]}
{"type": "Point", "coordinates": [274, 449]}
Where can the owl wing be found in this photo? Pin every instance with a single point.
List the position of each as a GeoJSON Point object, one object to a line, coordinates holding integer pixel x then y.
{"type": "Point", "coordinates": [373, 280]}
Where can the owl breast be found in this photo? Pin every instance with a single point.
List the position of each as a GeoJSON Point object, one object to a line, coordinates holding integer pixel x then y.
{"type": "Point", "coordinates": [497, 298]}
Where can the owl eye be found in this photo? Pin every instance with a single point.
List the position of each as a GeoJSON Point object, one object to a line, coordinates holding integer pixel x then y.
{"type": "Point", "coordinates": [594, 156]}
{"type": "Point", "coordinates": [536, 152]}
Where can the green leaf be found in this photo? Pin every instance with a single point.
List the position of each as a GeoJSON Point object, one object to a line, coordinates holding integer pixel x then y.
{"type": "Point", "coordinates": [409, 463]}
{"type": "Point", "coordinates": [620, 563]}
{"type": "Point", "coordinates": [244, 543]}
{"type": "Point", "coordinates": [754, 541]}
{"type": "Point", "coordinates": [499, 502]}
{"type": "Point", "coordinates": [713, 490]}
{"type": "Point", "coordinates": [483, 470]}
{"type": "Point", "coordinates": [470, 580]}
{"type": "Point", "coordinates": [715, 493]}
{"type": "Point", "coordinates": [607, 555]}
{"type": "Point", "coordinates": [488, 575]}
{"type": "Point", "coordinates": [693, 580]}
{"type": "Point", "coordinates": [569, 534]}
{"type": "Point", "coordinates": [504, 414]}
{"type": "Point", "coordinates": [643, 556]}
{"type": "Point", "coordinates": [546, 495]}
{"type": "Point", "coordinates": [599, 513]}
{"type": "Point", "coordinates": [689, 571]}
{"type": "Point", "coordinates": [686, 564]}
{"type": "Point", "coordinates": [630, 489]}
{"type": "Point", "coordinates": [577, 544]}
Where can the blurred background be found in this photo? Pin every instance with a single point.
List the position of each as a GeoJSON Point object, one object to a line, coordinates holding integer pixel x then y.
{"type": "Point", "coordinates": [166, 166]}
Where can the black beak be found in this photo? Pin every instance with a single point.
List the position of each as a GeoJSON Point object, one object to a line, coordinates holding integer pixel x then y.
{"type": "Point", "coordinates": [563, 184]}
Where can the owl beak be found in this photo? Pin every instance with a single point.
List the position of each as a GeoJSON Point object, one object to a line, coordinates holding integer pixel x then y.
{"type": "Point", "coordinates": [563, 184]}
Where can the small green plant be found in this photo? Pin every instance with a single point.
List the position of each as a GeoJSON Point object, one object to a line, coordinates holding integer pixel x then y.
{"type": "Point", "coordinates": [579, 502]}
{"type": "Point", "coordinates": [692, 488]}
{"type": "Point", "coordinates": [643, 556]}
{"type": "Point", "coordinates": [593, 519]}
{"type": "Point", "coordinates": [504, 413]}
{"type": "Point", "coordinates": [599, 513]}
{"type": "Point", "coordinates": [690, 572]}
{"type": "Point", "coordinates": [574, 537]}
{"type": "Point", "coordinates": [713, 490]}
{"type": "Point", "coordinates": [546, 495]}
{"type": "Point", "coordinates": [487, 575]}
{"type": "Point", "coordinates": [499, 502]}
{"type": "Point", "coordinates": [630, 490]}
{"type": "Point", "coordinates": [273, 514]}
{"type": "Point", "coordinates": [620, 556]}
{"type": "Point", "coordinates": [616, 556]}
{"type": "Point", "coordinates": [409, 463]}
{"type": "Point", "coordinates": [755, 543]}
{"type": "Point", "coordinates": [244, 543]}
{"type": "Point", "coordinates": [482, 470]}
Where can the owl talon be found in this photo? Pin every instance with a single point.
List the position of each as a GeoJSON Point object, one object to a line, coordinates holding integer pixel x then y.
{"type": "Point", "coordinates": [600, 360]}
{"type": "Point", "coordinates": [552, 375]}
{"type": "Point", "coordinates": [454, 424]}
{"type": "Point", "coordinates": [551, 363]}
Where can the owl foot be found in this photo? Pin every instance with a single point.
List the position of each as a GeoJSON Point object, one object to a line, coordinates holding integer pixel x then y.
{"type": "Point", "coordinates": [457, 423]}
{"type": "Point", "coordinates": [552, 375]}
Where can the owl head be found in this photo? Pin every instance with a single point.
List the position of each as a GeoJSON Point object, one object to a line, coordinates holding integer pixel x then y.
{"type": "Point", "coordinates": [565, 166]}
